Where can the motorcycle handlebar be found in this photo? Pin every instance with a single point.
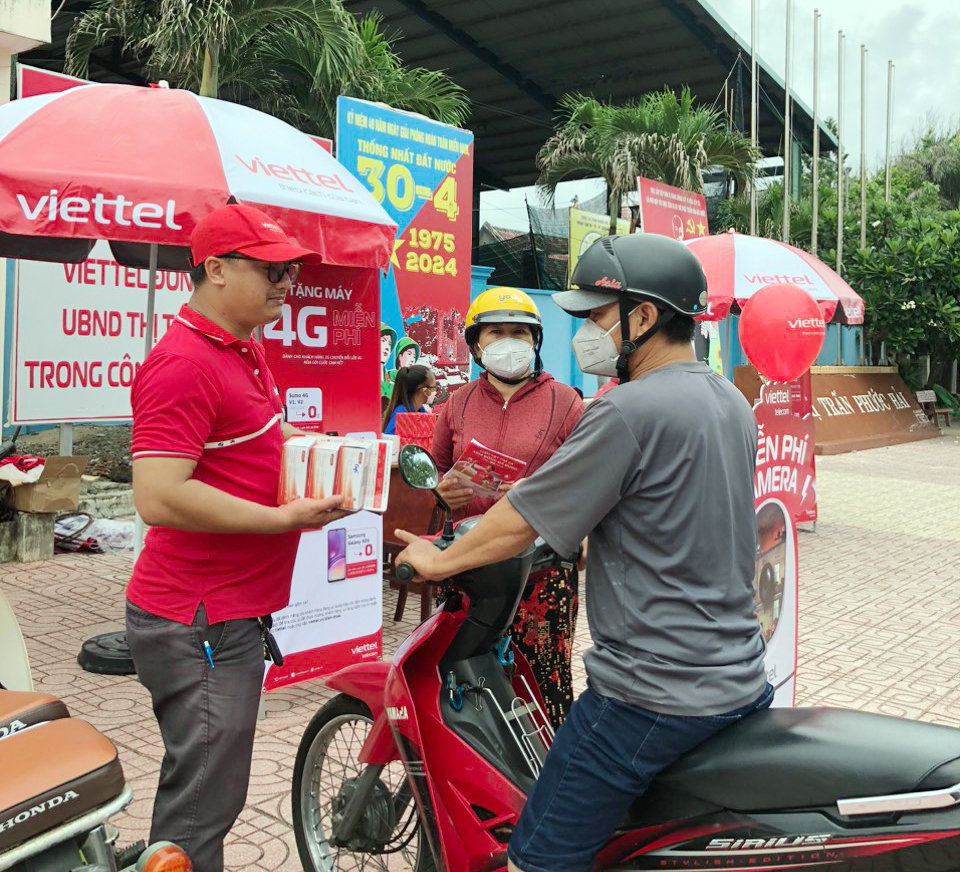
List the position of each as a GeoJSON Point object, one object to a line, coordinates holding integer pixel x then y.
{"type": "Point", "coordinates": [544, 556]}
{"type": "Point", "coordinates": [404, 572]}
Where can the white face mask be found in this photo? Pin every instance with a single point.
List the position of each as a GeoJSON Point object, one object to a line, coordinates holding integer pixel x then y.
{"type": "Point", "coordinates": [507, 358]}
{"type": "Point", "coordinates": [595, 350]}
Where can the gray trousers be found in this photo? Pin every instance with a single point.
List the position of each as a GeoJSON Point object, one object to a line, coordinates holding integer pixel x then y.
{"type": "Point", "coordinates": [207, 718]}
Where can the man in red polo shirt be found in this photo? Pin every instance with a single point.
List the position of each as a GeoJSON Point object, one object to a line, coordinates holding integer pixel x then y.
{"type": "Point", "coordinates": [208, 432]}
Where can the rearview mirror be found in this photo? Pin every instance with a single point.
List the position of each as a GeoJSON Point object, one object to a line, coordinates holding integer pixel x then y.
{"type": "Point", "coordinates": [418, 468]}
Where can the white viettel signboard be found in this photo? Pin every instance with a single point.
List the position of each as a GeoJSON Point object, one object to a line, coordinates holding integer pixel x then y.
{"type": "Point", "coordinates": [78, 336]}
{"type": "Point", "coordinates": [335, 616]}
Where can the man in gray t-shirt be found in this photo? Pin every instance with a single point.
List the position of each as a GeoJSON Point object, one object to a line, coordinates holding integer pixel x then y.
{"type": "Point", "coordinates": [658, 475]}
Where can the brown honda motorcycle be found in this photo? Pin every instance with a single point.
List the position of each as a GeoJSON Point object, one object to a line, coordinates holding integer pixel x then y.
{"type": "Point", "coordinates": [60, 782]}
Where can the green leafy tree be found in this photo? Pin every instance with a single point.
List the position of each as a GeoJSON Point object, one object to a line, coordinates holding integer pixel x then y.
{"type": "Point", "coordinates": [909, 271]}
{"type": "Point", "coordinates": [661, 136]}
{"type": "Point", "coordinates": [935, 159]}
{"type": "Point", "coordinates": [288, 57]}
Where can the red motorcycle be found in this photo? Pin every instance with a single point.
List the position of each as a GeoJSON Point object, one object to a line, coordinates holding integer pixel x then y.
{"type": "Point", "coordinates": [425, 762]}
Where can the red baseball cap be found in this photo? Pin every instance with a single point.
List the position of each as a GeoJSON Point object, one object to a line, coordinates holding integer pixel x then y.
{"type": "Point", "coordinates": [244, 230]}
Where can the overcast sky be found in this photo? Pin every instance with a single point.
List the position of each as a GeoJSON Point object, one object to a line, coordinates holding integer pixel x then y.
{"type": "Point", "coordinates": [921, 38]}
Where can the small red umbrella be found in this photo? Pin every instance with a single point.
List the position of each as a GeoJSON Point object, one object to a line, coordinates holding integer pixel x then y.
{"type": "Point", "coordinates": [737, 266]}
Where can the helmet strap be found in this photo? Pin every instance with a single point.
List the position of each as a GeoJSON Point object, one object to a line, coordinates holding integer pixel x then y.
{"type": "Point", "coordinates": [628, 346]}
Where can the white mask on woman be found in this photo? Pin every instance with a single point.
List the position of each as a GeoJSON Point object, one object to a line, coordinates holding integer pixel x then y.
{"type": "Point", "coordinates": [507, 358]}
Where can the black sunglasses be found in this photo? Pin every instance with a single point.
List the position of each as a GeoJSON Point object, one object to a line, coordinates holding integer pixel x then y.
{"type": "Point", "coordinates": [275, 271]}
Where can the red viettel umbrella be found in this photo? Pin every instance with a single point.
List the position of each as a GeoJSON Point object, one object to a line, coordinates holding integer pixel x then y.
{"type": "Point", "coordinates": [737, 266]}
{"type": "Point", "coordinates": [139, 166]}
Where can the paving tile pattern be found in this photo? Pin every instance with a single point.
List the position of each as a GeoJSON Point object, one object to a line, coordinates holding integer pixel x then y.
{"type": "Point", "coordinates": [879, 631]}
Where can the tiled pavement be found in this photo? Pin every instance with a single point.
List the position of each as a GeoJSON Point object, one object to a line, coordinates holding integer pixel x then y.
{"type": "Point", "coordinates": [879, 630]}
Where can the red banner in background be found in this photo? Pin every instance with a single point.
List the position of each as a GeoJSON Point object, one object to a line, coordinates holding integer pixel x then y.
{"type": "Point", "coordinates": [669, 211]}
{"type": "Point", "coordinates": [324, 351]}
{"type": "Point", "coordinates": [32, 82]}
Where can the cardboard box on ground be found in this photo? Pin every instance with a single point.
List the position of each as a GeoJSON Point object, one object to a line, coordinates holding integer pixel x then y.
{"type": "Point", "coordinates": [57, 489]}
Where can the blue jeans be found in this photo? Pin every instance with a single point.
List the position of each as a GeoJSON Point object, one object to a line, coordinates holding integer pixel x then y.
{"type": "Point", "coordinates": [603, 757]}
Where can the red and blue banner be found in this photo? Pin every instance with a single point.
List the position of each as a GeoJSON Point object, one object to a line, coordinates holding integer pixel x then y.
{"type": "Point", "coordinates": [421, 172]}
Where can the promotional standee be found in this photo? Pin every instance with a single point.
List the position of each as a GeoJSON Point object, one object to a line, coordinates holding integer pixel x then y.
{"type": "Point", "coordinates": [323, 352]}
{"type": "Point", "coordinates": [421, 171]}
{"type": "Point", "coordinates": [781, 331]}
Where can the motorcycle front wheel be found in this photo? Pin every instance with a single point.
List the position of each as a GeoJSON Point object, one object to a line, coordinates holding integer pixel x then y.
{"type": "Point", "coordinates": [327, 764]}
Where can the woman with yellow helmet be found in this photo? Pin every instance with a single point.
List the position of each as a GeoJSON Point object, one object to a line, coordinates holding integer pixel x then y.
{"type": "Point", "coordinates": [517, 409]}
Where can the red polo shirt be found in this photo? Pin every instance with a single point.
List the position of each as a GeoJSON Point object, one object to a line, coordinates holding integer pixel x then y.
{"type": "Point", "coordinates": [208, 396]}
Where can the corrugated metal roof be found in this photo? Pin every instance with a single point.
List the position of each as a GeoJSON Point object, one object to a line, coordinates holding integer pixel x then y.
{"type": "Point", "coordinates": [516, 59]}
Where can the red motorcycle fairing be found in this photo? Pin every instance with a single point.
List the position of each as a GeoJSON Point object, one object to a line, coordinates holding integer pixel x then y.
{"type": "Point", "coordinates": [474, 806]}
{"type": "Point", "coordinates": [365, 681]}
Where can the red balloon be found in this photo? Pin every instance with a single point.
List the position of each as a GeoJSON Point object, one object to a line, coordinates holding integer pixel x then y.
{"type": "Point", "coordinates": [781, 331]}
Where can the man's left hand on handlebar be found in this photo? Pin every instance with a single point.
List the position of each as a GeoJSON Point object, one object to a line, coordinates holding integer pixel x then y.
{"type": "Point", "coordinates": [499, 534]}
{"type": "Point", "coordinates": [421, 555]}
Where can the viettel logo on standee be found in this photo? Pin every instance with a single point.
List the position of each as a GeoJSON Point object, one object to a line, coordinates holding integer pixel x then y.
{"type": "Point", "coordinates": [100, 209]}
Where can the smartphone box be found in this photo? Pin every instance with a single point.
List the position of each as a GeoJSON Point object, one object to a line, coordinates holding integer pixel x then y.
{"type": "Point", "coordinates": [295, 468]}
{"type": "Point", "coordinates": [323, 468]}
{"type": "Point", "coordinates": [351, 476]}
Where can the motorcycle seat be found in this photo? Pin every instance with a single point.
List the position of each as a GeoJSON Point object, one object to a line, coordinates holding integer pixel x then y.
{"type": "Point", "coordinates": [53, 773]}
{"type": "Point", "coordinates": [19, 710]}
{"type": "Point", "coordinates": [805, 757]}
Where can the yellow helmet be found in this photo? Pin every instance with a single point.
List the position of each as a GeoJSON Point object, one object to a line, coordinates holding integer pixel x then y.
{"type": "Point", "coordinates": [504, 306]}
{"type": "Point", "coordinates": [500, 306]}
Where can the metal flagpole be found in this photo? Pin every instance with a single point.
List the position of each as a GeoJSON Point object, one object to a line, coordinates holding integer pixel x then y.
{"type": "Point", "coordinates": [863, 171]}
{"type": "Point", "coordinates": [840, 192]}
{"type": "Point", "coordinates": [138, 532]}
{"type": "Point", "coordinates": [816, 132]}
{"type": "Point", "coordinates": [863, 146]}
{"type": "Point", "coordinates": [840, 47]}
{"type": "Point", "coordinates": [787, 137]}
{"type": "Point", "coordinates": [754, 93]}
{"type": "Point", "coordinates": [886, 180]}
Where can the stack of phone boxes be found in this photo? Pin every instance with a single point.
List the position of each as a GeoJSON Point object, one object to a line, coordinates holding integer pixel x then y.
{"type": "Point", "coordinates": [324, 466]}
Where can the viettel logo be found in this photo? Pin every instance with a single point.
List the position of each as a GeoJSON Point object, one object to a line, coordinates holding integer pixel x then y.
{"type": "Point", "coordinates": [100, 209]}
{"type": "Point", "coordinates": [804, 323]}
{"type": "Point", "coordinates": [290, 173]}
{"type": "Point", "coordinates": [365, 648]}
{"type": "Point", "coordinates": [608, 283]}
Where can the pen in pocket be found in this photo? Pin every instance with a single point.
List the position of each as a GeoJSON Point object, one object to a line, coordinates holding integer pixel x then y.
{"type": "Point", "coordinates": [209, 652]}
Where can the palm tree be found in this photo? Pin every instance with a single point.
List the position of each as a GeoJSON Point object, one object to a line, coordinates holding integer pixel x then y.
{"type": "Point", "coordinates": [376, 73]}
{"type": "Point", "coordinates": [288, 57]}
{"type": "Point", "coordinates": [662, 136]}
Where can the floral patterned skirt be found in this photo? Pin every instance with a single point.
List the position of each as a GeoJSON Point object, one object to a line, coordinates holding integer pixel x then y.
{"type": "Point", "coordinates": [543, 631]}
